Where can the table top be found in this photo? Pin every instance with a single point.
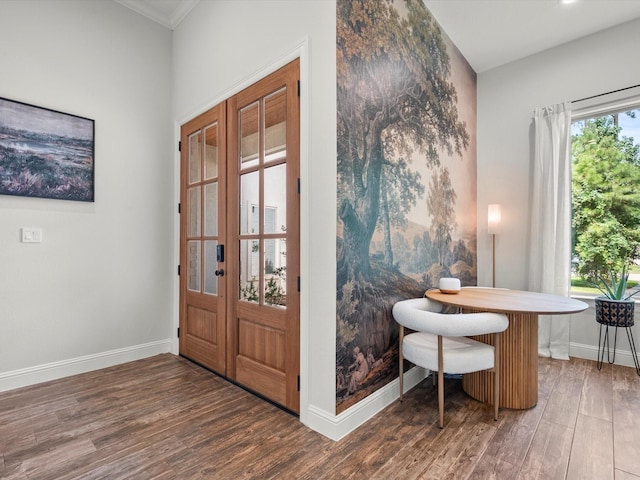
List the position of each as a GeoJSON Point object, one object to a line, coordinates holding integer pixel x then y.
{"type": "Point", "coordinates": [503, 300]}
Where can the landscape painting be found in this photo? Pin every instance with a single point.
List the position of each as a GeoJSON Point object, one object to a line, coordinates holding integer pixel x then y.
{"type": "Point", "coordinates": [406, 186]}
{"type": "Point", "coordinates": [45, 153]}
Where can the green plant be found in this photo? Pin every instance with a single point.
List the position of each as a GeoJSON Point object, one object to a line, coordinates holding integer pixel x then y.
{"type": "Point", "coordinates": [605, 199]}
{"type": "Point", "coordinates": [249, 292]}
{"type": "Point", "coordinates": [615, 288]}
{"type": "Point", "coordinates": [274, 294]}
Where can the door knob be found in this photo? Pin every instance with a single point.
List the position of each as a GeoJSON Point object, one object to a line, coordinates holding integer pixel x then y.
{"type": "Point", "coordinates": [219, 273]}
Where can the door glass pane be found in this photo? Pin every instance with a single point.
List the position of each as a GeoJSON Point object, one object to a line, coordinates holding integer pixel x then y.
{"type": "Point", "coordinates": [211, 209]}
{"type": "Point", "coordinates": [193, 270]}
{"type": "Point", "coordinates": [270, 256]}
{"type": "Point", "coordinates": [275, 270]}
{"type": "Point", "coordinates": [275, 125]}
{"type": "Point", "coordinates": [249, 202]}
{"type": "Point", "coordinates": [210, 266]}
{"type": "Point", "coordinates": [254, 219]}
{"type": "Point", "coordinates": [249, 270]}
{"type": "Point", "coordinates": [194, 212]}
{"type": "Point", "coordinates": [275, 199]}
{"type": "Point", "coordinates": [270, 219]}
{"type": "Point", "coordinates": [195, 155]}
{"type": "Point", "coordinates": [211, 152]}
{"type": "Point", "coordinates": [249, 136]}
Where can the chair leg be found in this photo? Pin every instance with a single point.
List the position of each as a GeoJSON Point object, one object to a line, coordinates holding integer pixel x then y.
{"type": "Point", "coordinates": [496, 376]}
{"type": "Point", "coordinates": [401, 361]}
{"type": "Point", "coordinates": [440, 382]}
{"type": "Point", "coordinates": [433, 378]}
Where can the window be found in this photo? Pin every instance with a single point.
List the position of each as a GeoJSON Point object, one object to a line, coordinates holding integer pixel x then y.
{"type": "Point", "coordinates": [605, 194]}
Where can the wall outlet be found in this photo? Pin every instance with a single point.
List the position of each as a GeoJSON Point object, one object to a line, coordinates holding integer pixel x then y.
{"type": "Point", "coordinates": [31, 235]}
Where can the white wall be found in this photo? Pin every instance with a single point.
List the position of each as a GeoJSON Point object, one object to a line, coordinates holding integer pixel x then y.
{"type": "Point", "coordinates": [101, 287]}
{"type": "Point", "coordinates": [507, 97]}
{"type": "Point", "coordinates": [224, 46]}
{"type": "Point", "coordinates": [98, 289]}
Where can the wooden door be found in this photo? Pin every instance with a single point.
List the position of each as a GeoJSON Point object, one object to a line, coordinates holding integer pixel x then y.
{"type": "Point", "coordinates": [240, 315]}
{"type": "Point", "coordinates": [264, 236]}
{"type": "Point", "coordinates": [202, 234]}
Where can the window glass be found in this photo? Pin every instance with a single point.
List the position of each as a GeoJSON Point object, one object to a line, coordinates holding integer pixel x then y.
{"type": "Point", "coordinates": [605, 197]}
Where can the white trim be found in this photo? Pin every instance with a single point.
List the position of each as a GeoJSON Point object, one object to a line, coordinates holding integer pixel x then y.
{"type": "Point", "coordinates": [336, 427]}
{"type": "Point", "coordinates": [180, 12]}
{"type": "Point", "coordinates": [590, 298]}
{"type": "Point", "coordinates": [175, 341]}
{"type": "Point", "coordinates": [73, 366]}
{"type": "Point", "coordinates": [622, 101]}
{"type": "Point", "coordinates": [169, 19]}
{"type": "Point", "coordinates": [301, 51]}
{"type": "Point", "coordinates": [590, 352]}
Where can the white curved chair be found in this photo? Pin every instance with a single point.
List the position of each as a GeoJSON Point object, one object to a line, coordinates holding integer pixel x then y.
{"type": "Point", "coordinates": [440, 344]}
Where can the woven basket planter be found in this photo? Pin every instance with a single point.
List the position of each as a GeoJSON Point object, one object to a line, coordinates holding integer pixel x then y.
{"type": "Point", "coordinates": [615, 313]}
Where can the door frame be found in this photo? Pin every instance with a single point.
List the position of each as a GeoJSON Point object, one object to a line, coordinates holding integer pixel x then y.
{"type": "Point", "coordinates": [301, 51]}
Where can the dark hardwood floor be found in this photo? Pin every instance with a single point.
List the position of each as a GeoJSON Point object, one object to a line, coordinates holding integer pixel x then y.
{"type": "Point", "coordinates": [166, 418]}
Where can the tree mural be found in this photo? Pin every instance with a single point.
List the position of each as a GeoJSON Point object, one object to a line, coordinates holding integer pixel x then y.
{"type": "Point", "coordinates": [396, 103]}
{"type": "Point", "coordinates": [400, 188]}
{"type": "Point", "coordinates": [440, 203]}
{"type": "Point", "coordinates": [393, 96]}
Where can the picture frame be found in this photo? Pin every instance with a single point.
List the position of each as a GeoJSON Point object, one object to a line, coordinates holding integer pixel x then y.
{"type": "Point", "coordinates": [46, 153]}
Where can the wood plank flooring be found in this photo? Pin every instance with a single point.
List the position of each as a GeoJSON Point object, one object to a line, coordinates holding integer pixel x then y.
{"type": "Point", "coordinates": [166, 418]}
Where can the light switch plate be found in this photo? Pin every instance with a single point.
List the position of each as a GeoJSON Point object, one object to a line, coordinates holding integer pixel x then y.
{"type": "Point", "coordinates": [31, 235]}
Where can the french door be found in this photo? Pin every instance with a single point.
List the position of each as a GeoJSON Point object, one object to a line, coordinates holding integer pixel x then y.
{"type": "Point", "coordinates": [240, 231]}
{"type": "Point", "coordinates": [202, 236]}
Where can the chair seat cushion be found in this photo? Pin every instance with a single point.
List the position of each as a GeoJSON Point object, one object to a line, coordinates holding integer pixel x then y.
{"type": "Point", "coordinates": [461, 354]}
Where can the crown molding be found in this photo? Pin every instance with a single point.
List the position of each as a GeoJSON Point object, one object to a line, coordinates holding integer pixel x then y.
{"type": "Point", "coordinates": [169, 19]}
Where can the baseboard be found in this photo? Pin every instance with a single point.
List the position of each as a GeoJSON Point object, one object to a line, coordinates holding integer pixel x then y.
{"type": "Point", "coordinates": [74, 366]}
{"type": "Point", "coordinates": [590, 352]}
{"type": "Point", "coordinates": [337, 426]}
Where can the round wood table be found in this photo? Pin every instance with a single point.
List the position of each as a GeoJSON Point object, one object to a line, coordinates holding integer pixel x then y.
{"type": "Point", "coordinates": [519, 345]}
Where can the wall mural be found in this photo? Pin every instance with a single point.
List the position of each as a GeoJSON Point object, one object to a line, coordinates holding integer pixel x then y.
{"type": "Point", "coordinates": [406, 178]}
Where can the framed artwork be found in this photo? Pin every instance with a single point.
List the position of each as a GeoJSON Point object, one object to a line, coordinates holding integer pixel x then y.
{"type": "Point", "coordinates": [45, 153]}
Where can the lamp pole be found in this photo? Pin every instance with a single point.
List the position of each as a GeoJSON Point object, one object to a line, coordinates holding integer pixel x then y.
{"type": "Point", "coordinates": [494, 216]}
{"type": "Point", "coordinates": [493, 257]}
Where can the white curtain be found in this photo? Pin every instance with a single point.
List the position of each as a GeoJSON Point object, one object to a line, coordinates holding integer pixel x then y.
{"type": "Point", "coordinates": [550, 229]}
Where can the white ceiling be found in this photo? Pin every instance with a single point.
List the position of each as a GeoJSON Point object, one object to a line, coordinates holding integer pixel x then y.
{"type": "Point", "coordinates": [489, 33]}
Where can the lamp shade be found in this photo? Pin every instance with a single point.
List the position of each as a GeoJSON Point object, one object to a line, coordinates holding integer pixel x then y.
{"type": "Point", "coordinates": [493, 219]}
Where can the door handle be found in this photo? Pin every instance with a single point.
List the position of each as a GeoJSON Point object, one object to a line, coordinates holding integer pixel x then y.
{"type": "Point", "coordinates": [219, 273]}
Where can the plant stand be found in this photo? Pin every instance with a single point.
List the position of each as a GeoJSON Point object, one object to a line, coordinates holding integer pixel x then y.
{"type": "Point", "coordinates": [615, 313]}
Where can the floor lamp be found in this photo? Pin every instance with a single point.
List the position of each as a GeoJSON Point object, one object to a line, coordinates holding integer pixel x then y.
{"type": "Point", "coordinates": [493, 227]}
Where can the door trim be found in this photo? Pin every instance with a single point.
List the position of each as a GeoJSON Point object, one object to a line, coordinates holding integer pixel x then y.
{"type": "Point", "coordinates": [301, 51]}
